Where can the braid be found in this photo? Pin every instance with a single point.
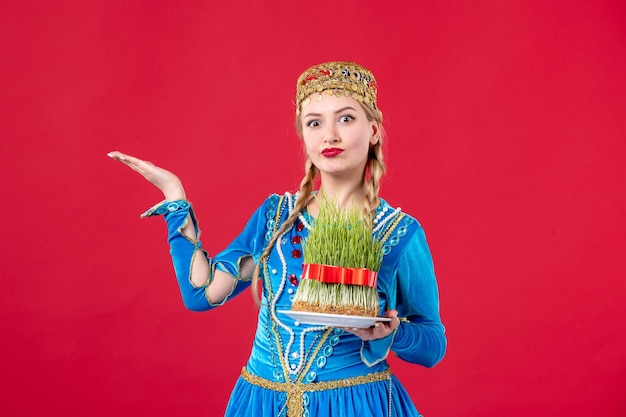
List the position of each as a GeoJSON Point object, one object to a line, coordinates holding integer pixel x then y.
{"type": "Point", "coordinates": [306, 187]}
{"type": "Point", "coordinates": [376, 168]}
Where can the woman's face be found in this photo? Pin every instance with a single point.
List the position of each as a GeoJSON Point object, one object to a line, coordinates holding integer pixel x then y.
{"type": "Point", "coordinates": [337, 134]}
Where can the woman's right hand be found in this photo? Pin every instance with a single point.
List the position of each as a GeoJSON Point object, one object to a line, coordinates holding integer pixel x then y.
{"type": "Point", "coordinates": [164, 180]}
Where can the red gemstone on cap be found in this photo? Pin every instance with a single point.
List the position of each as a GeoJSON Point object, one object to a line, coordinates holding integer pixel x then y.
{"type": "Point", "coordinates": [296, 253]}
{"type": "Point", "coordinates": [296, 240]}
{"type": "Point", "coordinates": [300, 227]}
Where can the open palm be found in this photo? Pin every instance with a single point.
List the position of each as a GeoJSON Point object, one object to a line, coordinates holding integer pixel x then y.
{"type": "Point", "coordinates": [164, 180]}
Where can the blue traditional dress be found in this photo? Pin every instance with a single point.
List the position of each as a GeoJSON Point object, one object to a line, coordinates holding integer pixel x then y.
{"type": "Point", "coordinates": [306, 370]}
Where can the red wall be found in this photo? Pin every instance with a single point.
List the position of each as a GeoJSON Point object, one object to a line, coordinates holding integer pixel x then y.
{"type": "Point", "coordinates": [506, 128]}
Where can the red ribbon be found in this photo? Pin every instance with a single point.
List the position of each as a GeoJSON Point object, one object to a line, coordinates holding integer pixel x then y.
{"type": "Point", "coordinates": [340, 275]}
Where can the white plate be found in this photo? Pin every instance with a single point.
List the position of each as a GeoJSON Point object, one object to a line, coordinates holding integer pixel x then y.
{"type": "Point", "coordinates": [334, 320]}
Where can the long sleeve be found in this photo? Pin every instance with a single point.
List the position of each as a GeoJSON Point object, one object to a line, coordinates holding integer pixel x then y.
{"type": "Point", "coordinates": [183, 250]}
{"type": "Point", "coordinates": [411, 289]}
{"type": "Point", "coordinates": [420, 339]}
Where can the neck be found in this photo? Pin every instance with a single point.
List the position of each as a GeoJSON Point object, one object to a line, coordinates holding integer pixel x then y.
{"type": "Point", "coordinates": [344, 193]}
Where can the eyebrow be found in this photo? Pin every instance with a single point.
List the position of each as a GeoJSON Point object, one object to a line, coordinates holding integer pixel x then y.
{"type": "Point", "coordinates": [336, 112]}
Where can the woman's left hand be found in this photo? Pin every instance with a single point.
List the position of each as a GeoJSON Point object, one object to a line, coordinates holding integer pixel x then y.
{"type": "Point", "coordinates": [379, 330]}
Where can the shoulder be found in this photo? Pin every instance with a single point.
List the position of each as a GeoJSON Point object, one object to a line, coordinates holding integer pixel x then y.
{"type": "Point", "coordinates": [281, 205]}
{"type": "Point", "coordinates": [274, 209]}
{"type": "Point", "coordinates": [389, 219]}
{"type": "Point", "coordinates": [396, 229]}
{"type": "Point", "coordinates": [274, 201]}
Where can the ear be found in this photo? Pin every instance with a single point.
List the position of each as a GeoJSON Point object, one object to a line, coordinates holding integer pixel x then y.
{"type": "Point", "coordinates": [375, 132]}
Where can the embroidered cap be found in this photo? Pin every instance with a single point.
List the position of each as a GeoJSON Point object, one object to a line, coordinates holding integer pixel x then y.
{"type": "Point", "coordinates": [338, 78]}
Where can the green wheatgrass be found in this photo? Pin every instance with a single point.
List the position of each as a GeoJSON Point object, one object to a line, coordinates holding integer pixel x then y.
{"type": "Point", "coordinates": [339, 237]}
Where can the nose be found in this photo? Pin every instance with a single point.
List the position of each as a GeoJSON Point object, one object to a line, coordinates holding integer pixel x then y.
{"type": "Point", "coordinates": [331, 135]}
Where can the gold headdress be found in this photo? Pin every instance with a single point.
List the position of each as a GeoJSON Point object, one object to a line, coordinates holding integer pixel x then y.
{"type": "Point", "coordinates": [346, 78]}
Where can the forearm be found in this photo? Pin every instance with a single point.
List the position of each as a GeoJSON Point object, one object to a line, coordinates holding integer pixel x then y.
{"type": "Point", "coordinates": [201, 288]}
{"type": "Point", "coordinates": [191, 263]}
{"type": "Point", "coordinates": [200, 267]}
{"type": "Point", "coordinates": [421, 343]}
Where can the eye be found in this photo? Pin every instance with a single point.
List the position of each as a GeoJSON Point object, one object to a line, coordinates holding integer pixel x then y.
{"type": "Point", "coordinates": [313, 123]}
{"type": "Point", "coordinates": [346, 118]}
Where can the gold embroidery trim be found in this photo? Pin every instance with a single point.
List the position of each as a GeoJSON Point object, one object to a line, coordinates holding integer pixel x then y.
{"type": "Point", "coordinates": [391, 227]}
{"type": "Point", "coordinates": [295, 391]}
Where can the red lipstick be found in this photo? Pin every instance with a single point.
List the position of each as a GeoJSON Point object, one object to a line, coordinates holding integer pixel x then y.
{"type": "Point", "coordinates": [330, 152]}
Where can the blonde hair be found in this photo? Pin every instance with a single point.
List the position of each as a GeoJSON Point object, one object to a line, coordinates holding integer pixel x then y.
{"type": "Point", "coordinates": [374, 171]}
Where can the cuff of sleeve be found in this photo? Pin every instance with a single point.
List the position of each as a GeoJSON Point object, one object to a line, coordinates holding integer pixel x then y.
{"type": "Point", "coordinates": [165, 207]}
{"type": "Point", "coordinates": [375, 351]}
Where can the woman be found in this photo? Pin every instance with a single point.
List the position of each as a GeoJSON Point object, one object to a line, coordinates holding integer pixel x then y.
{"type": "Point", "coordinates": [317, 370]}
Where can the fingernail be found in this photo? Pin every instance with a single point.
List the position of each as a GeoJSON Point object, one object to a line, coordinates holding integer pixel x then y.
{"type": "Point", "coordinates": [110, 154]}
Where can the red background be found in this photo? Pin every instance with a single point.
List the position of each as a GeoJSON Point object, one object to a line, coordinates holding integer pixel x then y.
{"type": "Point", "coordinates": [506, 128]}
